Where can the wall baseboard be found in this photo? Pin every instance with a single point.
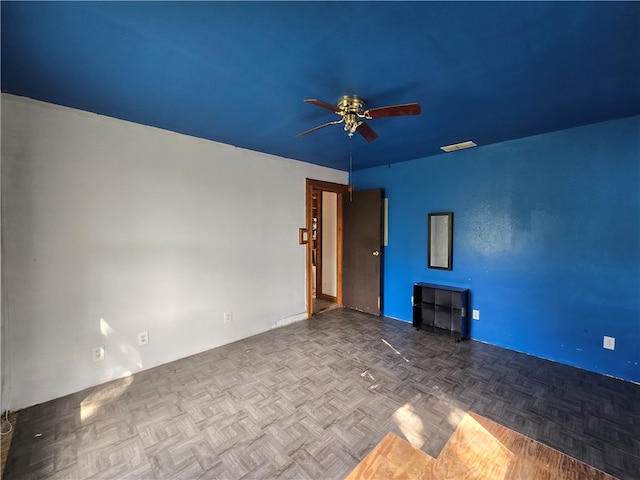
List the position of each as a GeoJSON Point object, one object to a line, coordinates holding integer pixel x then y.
{"type": "Point", "coordinates": [289, 320]}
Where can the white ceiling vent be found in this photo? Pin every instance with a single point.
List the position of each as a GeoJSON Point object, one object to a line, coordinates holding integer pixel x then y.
{"type": "Point", "coordinates": [458, 146]}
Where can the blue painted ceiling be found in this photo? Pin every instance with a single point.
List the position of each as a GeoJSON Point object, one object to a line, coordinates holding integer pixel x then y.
{"type": "Point", "coordinates": [238, 72]}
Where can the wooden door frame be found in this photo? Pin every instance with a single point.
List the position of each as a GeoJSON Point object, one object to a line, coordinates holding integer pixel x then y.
{"type": "Point", "coordinates": [319, 186]}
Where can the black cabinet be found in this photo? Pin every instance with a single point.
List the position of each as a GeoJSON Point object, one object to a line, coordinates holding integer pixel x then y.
{"type": "Point", "coordinates": [441, 309]}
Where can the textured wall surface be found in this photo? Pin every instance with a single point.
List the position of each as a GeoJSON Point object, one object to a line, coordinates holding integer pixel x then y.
{"type": "Point", "coordinates": [112, 228]}
{"type": "Point", "coordinates": [546, 236]}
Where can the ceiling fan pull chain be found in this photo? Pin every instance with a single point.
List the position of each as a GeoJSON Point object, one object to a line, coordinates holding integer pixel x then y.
{"type": "Point", "coordinates": [350, 168]}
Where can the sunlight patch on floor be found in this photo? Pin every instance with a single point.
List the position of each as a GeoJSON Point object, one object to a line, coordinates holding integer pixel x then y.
{"type": "Point", "coordinates": [410, 425]}
{"type": "Point", "coordinates": [455, 415]}
{"type": "Point", "coordinates": [103, 396]}
{"type": "Point", "coordinates": [479, 449]}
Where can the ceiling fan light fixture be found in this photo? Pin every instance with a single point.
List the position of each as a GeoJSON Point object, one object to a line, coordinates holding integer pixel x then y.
{"type": "Point", "coordinates": [458, 146]}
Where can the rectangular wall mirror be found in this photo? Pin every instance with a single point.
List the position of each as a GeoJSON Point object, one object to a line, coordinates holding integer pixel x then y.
{"type": "Point", "coordinates": [440, 241]}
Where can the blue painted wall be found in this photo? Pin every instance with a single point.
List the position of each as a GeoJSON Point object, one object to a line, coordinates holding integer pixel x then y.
{"type": "Point", "coordinates": [546, 236]}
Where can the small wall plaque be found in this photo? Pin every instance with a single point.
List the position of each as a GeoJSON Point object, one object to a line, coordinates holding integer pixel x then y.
{"type": "Point", "coordinates": [303, 236]}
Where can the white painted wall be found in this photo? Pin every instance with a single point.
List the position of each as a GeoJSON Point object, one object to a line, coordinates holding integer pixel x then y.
{"type": "Point", "coordinates": [330, 243]}
{"type": "Point", "coordinates": [111, 228]}
{"type": "Point", "coordinates": [3, 350]}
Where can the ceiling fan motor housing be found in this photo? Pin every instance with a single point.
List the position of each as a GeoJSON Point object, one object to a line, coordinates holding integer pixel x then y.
{"type": "Point", "coordinates": [351, 107]}
{"type": "Point", "coordinates": [351, 104]}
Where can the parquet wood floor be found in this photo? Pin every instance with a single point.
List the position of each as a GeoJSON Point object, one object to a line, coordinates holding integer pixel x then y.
{"type": "Point", "coordinates": [311, 399]}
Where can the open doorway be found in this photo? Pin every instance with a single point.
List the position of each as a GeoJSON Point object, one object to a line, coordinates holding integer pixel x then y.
{"type": "Point", "coordinates": [349, 274]}
{"type": "Point", "coordinates": [324, 254]}
{"type": "Point", "coordinates": [324, 250]}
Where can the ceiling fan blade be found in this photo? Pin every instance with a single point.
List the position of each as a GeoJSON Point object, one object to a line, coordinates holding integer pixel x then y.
{"type": "Point", "coordinates": [319, 127]}
{"type": "Point", "coordinates": [393, 111]}
{"type": "Point", "coordinates": [367, 132]}
{"type": "Point", "coordinates": [322, 104]}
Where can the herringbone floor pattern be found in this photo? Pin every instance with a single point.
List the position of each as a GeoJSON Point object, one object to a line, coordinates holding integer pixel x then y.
{"type": "Point", "coordinates": [310, 400]}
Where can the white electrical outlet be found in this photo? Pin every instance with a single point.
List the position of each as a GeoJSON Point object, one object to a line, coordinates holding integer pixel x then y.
{"type": "Point", "coordinates": [476, 314]}
{"type": "Point", "coordinates": [228, 317]}
{"type": "Point", "coordinates": [97, 353]}
{"type": "Point", "coordinates": [609, 343]}
{"type": "Point", "coordinates": [143, 337]}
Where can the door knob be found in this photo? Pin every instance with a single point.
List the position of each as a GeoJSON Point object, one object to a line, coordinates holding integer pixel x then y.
{"type": "Point", "coordinates": [376, 253]}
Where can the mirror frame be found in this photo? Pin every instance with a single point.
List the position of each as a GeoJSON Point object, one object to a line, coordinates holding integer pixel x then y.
{"type": "Point", "coordinates": [440, 241]}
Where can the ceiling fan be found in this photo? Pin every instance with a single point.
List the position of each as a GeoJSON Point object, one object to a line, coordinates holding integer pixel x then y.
{"type": "Point", "coordinates": [350, 109]}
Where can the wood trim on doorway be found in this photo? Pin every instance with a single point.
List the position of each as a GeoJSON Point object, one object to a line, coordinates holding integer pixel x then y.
{"type": "Point", "coordinates": [317, 187]}
{"type": "Point", "coordinates": [321, 246]}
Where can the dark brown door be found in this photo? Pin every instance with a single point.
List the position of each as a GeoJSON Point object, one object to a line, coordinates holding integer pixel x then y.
{"type": "Point", "coordinates": [361, 250]}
